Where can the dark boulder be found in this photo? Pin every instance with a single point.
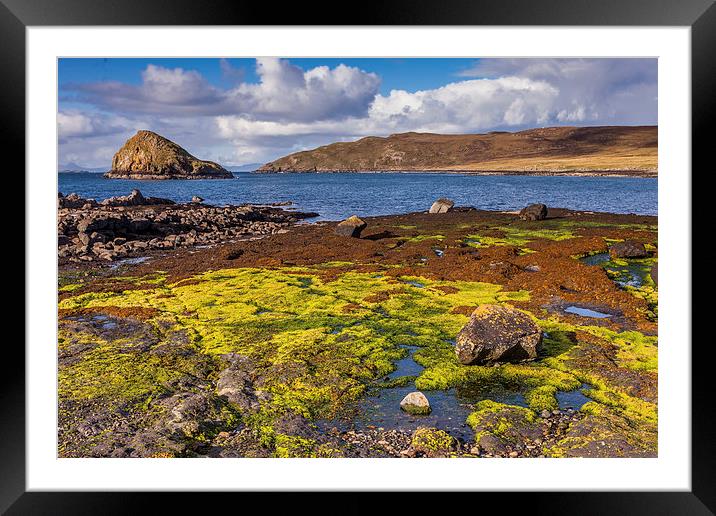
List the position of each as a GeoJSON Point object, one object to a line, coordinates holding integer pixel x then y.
{"type": "Point", "coordinates": [654, 273]}
{"type": "Point", "coordinates": [628, 249]}
{"type": "Point", "coordinates": [534, 212]}
{"type": "Point", "coordinates": [497, 333]}
{"type": "Point", "coordinates": [351, 227]}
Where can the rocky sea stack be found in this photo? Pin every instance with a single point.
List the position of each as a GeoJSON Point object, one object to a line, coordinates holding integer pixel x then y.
{"type": "Point", "coordinates": [147, 155]}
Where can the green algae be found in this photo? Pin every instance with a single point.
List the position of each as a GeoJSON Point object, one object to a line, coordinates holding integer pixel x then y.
{"type": "Point", "coordinates": [518, 237]}
{"type": "Point", "coordinates": [423, 238]}
{"type": "Point", "coordinates": [313, 355]}
{"type": "Point", "coordinates": [507, 423]}
{"type": "Point", "coordinates": [319, 345]}
{"type": "Point", "coordinates": [432, 441]}
{"type": "Point", "coordinates": [633, 351]}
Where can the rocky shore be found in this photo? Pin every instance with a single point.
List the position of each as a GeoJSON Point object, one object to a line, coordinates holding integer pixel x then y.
{"type": "Point", "coordinates": [530, 334]}
{"type": "Point", "coordinates": [132, 225]}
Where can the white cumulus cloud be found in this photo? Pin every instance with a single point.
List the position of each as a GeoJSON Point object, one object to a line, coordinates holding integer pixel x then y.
{"type": "Point", "coordinates": [290, 108]}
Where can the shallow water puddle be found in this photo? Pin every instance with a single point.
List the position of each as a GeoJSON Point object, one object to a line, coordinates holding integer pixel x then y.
{"type": "Point", "coordinates": [586, 312]}
{"type": "Point", "coordinates": [595, 259]}
{"type": "Point", "coordinates": [450, 408]}
{"type": "Point", "coordinates": [406, 366]}
{"type": "Point", "coordinates": [416, 284]}
{"type": "Point", "coordinates": [100, 320]}
{"type": "Point", "coordinates": [626, 273]}
{"type": "Point", "coordinates": [572, 399]}
{"type": "Point", "coordinates": [129, 261]}
{"type": "Point", "coordinates": [439, 252]}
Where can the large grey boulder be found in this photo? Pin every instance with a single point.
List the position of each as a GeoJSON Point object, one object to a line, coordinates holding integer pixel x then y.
{"type": "Point", "coordinates": [442, 205]}
{"type": "Point", "coordinates": [497, 333]}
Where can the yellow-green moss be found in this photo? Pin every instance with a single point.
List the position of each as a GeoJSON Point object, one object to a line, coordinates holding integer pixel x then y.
{"type": "Point", "coordinates": [432, 441]}
{"type": "Point", "coordinates": [313, 355]}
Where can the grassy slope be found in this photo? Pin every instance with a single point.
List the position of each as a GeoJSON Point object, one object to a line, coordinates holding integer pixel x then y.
{"type": "Point", "coordinates": [556, 149]}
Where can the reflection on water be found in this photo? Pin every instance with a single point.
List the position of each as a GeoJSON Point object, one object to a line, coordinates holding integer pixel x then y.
{"type": "Point", "coordinates": [586, 312]}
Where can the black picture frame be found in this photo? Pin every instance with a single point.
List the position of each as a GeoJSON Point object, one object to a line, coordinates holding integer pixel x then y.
{"type": "Point", "coordinates": [700, 15]}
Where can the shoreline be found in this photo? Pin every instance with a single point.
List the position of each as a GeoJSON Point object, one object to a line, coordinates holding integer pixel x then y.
{"type": "Point", "coordinates": [647, 174]}
{"type": "Point", "coordinates": [125, 227]}
{"type": "Point", "coordinates": [544, 173]}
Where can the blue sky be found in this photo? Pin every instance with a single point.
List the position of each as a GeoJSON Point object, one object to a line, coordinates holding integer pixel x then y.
{"type": "Point", "coordinates": [238, 111]}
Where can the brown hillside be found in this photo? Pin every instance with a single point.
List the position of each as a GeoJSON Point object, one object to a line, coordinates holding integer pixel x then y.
{"type": "Point", "coordinates": [612, 149]}
{"type": "Point", "coordinates": [147, 155]}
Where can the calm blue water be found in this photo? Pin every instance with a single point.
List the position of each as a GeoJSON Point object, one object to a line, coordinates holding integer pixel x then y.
{"type": "Point", "coordinates": [336, 196]}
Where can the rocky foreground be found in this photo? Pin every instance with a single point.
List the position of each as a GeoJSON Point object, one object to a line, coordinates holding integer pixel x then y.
{"type": "Point", "coordinates": [453, 333]}
{"type": "Point", "coordinates": [133, 225]}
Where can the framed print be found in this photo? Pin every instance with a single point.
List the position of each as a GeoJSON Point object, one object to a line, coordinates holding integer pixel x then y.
{"type": "Point", "coordinates": [429, 250]}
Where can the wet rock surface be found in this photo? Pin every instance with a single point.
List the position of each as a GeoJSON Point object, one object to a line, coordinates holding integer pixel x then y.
{"type": "Point", "coordinates": [134, 225]}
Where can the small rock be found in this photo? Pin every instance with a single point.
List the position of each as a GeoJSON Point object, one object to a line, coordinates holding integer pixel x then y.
{"type": "Point", "coordinates": [654, 273]}
{"type": "Point", "coordinates": [533, 268]}
{"type": "Point", "coordinates": [534, 212]}
{"type": "Point", "coordinates": [196, 199]}
{"type": "Point", "coordinates": [416, 403]}
{"type": "Point", "coordinates": [442, 205]}
{"type": "Point", "coordinates": [351, 227]}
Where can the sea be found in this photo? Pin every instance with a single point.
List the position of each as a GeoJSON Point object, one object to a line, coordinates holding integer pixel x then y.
{"type": "Point", "coordinates": [335, 196]}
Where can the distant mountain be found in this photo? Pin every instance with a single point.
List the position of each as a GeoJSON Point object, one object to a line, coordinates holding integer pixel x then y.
{"type": "Point", "coordinates": [74, 167]}
{"type": "Point", "coordinates": [249, 167]}
{"type": "Point", "coordinates": [550, 150]}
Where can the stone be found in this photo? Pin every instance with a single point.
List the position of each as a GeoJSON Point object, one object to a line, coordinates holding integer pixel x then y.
{"type": "Point", "coordinates": [534, 212]}
{"type": "Point", "coordinates": [628, 249]}
{"type": "Point", "coordinates": [147, 155]}
{"type": "Point", "coordinates": [442, 205]}
{"type": "Point", "coordinates": [498, 333]}
{"type": "Point", "coordinates": [654, 273]}
{"type": "Point", "coordinates": [416, 403]}
{"type": "Point", "coordinates": [235, 383]}
{"type": "Point", "coordinates": [197, 199]}
{"type": "Point", "coordinates": [351, 227]}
